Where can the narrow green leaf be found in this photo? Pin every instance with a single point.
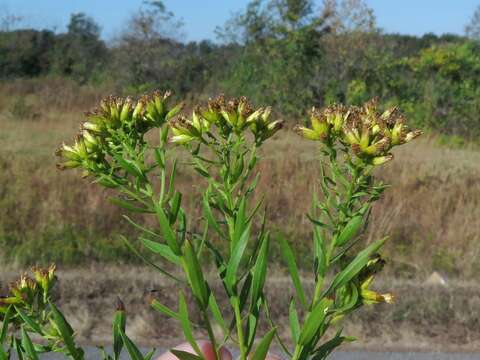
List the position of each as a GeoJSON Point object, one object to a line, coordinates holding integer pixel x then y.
{"type": "Point", "coordinates": [150, 354]}
{"type": "Point", "coordinates": [339, 176]}
{"type": "Point", "coordinates": [161, 249]}
{"type": "Point", "coordinates": [143, 258]}
{"type": "Point", "coordinates": [260, 269]}
{"type": "Point", "coordinates": [318, 223]}
{"type": "Point", "coordinates": [255, 210]}
{"type": "Point", "coordinates": [262, 349]}
{"type": "Point", "coordinates": [133, 350]}
{"type": "Point", "coordinates": [292, 268]}
{"type": "Point", "coordinates": [42, 348]}
{"type": "Point", "coordinates": [171, 183]}
{"type": "Point", "coordinates": [245, 291]}
{"type": "Point", "coordinates": [239, 223]}
{"type": "Point", "coordinates": [198, 166]}
{"type": "Point", "coordinates": [29, 321]}
{"type": "Point", "coordinates": [314, 322]}
{"type": "Point", "coordinates": [164, 310]}
{"type": "Point", "coordinates": [174, 111]}
{"type": "Point", "coordinates": [16, 345]}
{"type": "Point", "coordinates": [348, 296]}
{"type": "Point", "coordinates": [141, 228]}
{"type": "Point", "coordinates": [167, 231]}
{"type": "Point", "coordinates": [195, 274]}
{"type": "Point", "coordinates": [28, 345]}
{"type": "Point", "coordinates": [66, 332]}
{"type": "Point", "coordinates": [185, 322]}
{"type": "Point", "coordinates": [236, 257]}
{"type": "Point", "coordinates": [159, 158]}
{"type": "Point", "coordinates": [355, 266]}
{"type": "Point", "coordinates": [251, 329]}
{"type": "Point", "coordinates": [322, 352]}
{"type": "Point", "coordinates": [278, 338]}
{"type": "Point", "coordinates": [207, 211]}
{"type": "Point", "coordinates": [216, 312]}
{"type": "Point", "coordinates": [183, 355]}
{"type": "Point", "coordinates": [161, 195]}
{"type": "Point", "coordinates": [320, 253]}
{"type": "Point", "coordinates": [175, 207]}
{"type": "Point", "coordinates": [128, 206]}
{"type": "Point", "coordinates": [5, 323]}
{"type": "Point", "coordinates": [119, 323]}
{"type": "Point", "coordinates": [349, 231]}
{"type": "Point", "coordinates": [294, 323]}
{"type": "Point", "coordinates": [130, 166]}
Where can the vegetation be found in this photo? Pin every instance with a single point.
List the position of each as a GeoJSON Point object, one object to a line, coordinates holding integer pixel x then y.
{"type": "Point", "coordinates": [222, 141]}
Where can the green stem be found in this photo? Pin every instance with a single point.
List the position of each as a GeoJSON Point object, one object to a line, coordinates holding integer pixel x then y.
{"type": "Point", "coordinates": [238, 323]}
{"type": "Point", "coordinates": [297, 352]}
{"type": "Point", "coordinates": [211, 335]}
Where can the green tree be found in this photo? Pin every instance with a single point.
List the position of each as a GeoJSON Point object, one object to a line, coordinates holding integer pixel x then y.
{"type": "Point", "coordinates": [25, 53]}
{"type": "Point", "coordinates": [281, 48]}
{"type": "Point", "coordinates": [79, 53]}
{"type": "Point", "coordinates": [147, 52]}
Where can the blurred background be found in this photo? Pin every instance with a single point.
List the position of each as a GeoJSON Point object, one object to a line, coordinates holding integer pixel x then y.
{"type": "Point", "coordinates": [58, 59]}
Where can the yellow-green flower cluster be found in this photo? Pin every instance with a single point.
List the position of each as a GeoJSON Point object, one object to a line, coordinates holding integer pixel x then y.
{"type": "Point", "coordinates": [370, 297]}
{"type": "Point", "coordinates": [113, 118]}
{"type": "Point", "coordinates": [366, 277]}
{"type": "Point", "coordinates": [45, 277]}
{"type": "Point", "coordinates": [227, 116]}
{"type": "Point", "coordinates": [25, 290]}
{"type": "Point", "coordinates": [370, 134]}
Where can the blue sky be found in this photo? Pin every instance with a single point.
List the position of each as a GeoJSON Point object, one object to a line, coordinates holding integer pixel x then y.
{"type": "Point", "coordinates": [415, 17]}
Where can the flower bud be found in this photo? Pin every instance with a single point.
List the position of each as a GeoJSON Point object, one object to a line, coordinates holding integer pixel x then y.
{"type": "Point", "coordinates": [92, 127]}
{"type": "Point", "coordinates": [139, 110]}
{"type": "Point", "coordinates": [377, 148]}
{"type": "Point", "coordinates": [256, 115]}
{"type": "Point", "coordinates": [126, 110]}
{"type": "Point", "coordinates": [336, 116]}
{"type": "Point", "coordinates": [23, 290]}
{"type": "Point", "coordinates": [44, 277]}
{"type": "Point", "coordinates": [412, 135]}
{"type": "Point", "coordinates": [307, 133]}
{"type": "Point", "coordinates": [380, 160]}
{"type": "Point", "coordinates": [90, 141]}
{"type": "Point", "coordinates": [371, 297]}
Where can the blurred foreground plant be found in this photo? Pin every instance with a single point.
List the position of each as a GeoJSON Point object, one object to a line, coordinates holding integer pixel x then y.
{"type": "Point", "coordinates": [222, 139]}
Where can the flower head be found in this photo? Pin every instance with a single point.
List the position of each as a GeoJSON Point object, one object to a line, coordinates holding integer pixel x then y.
{"type": "Point", "coordinates": [22, 290]}
{"type": "Point", "coordinates": [45, 277]}
{"type": "Point", "coordinates": [320, 127]}
{"type": "Point", "coordinates": [106, 126]}
{"type": "Point", "coordinates": [225, 117]}
{"type": "Point", "coordinates": [186, 130]}
{"type": "Point", "coordinates": [371, 297]}
{"type": "Point", "coordinates": [369, 134]}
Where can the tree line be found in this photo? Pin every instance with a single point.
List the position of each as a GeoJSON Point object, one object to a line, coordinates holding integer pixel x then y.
{"type": "Point", "coordinates": [287, 53]}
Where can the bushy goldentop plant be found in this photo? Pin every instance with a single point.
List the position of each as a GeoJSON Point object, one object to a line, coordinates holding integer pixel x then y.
{"type": "Point", "coordinates": [222, 138]}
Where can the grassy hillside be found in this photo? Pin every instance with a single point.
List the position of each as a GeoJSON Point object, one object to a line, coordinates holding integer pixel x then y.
{"type": "Point", "coordinates": [432, 211]}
